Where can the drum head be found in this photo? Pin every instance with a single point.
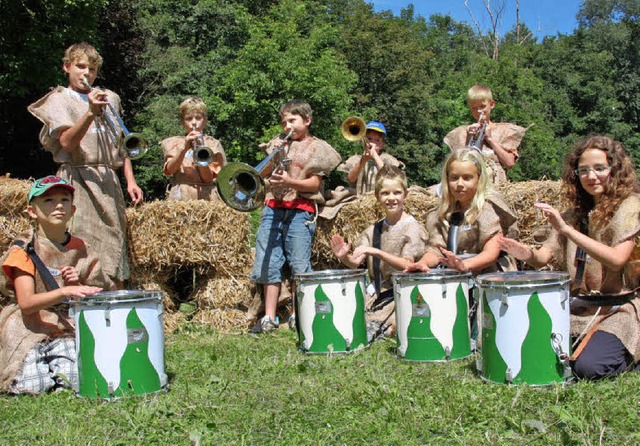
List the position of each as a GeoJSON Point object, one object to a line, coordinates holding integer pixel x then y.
{"type": "Point", "coordinates": [120, 296]}
{"type": "Point", "coordinates": [433, 275]}
{"type": "Point", "coordinates": [522, 278]}
{"type": "Point", "coordinates": [331, 274]}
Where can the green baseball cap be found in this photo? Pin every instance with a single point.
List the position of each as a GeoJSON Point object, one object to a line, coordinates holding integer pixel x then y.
{"type": "Point", "coordinates": [44, 184]}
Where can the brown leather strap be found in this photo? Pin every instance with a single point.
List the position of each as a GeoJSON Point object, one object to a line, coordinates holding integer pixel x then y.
{"type": "Point", "coordinates": [587, 337]}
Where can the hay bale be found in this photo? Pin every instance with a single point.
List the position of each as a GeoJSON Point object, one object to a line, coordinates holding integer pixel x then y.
{"type": "Point", "coordinates": [223, 292]}
{"type": "Point", "coordinates": [173, 321]}
{"type": "Point", "coordinates": [144, 279]}
{"type": "Point", "coordinates": [194, 233]}
{"type": "Point", "coordinates": [223, 320]}
{"type": "Point", "coordinates": [13, 195]}
{"type": "Point", "coordinates": [11, 227]}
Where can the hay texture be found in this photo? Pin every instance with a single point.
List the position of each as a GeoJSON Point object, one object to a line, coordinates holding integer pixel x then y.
{"type": "Point", "coordinates": [143, 279]}
{"type": "Point", "coordinates": [224, 292]}
{"type": "Point", "coordinates": [223, 320]}
{"type": "Point", "coordinates": [13, 195]}
{"type": "Point", "coordinates": [202, 234]}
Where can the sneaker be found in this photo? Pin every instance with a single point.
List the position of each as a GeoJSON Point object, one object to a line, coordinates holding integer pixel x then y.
{"type": "Point", "coordinates": [265, 325]}
{"type": "Point", "coordinates": [374, 331]}
{"type": "Point", "coordinates": [292, 322]}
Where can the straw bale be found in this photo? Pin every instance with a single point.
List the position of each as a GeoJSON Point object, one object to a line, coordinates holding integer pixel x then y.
{"type": "Point", "coordinates": [11, 227]}
{"type": "Point", "coordinates": [173, 321]}
{"type": "Point", "coordinates": [224, 320]}
{"type": "Point", "coordinates": [223, 292]}
{"type": "Point", "coordinates": [143, 279]}
{"type": "Point", "coordinates": [189, 233]}
{"type": "Point", "coordinates": [13, 195]}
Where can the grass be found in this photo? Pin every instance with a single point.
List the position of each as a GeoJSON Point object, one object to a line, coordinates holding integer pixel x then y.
{"type": "Point", "coordinates": [247, 390]}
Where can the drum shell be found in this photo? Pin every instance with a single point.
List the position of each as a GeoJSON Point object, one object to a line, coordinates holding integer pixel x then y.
{"type": "Point", "coordinates": [524, 327]}
{"type": "Point", "coordinates": [432, 310]}
{"type": "Point", "coordinates": [119, 343]}
{"type": "Point", "coordinates": [330, 311]}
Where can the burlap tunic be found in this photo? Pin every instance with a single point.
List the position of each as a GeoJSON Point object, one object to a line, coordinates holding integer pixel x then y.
{"type": "Point", "coordinates": [406, 239]}
{"type": "Point", "coordinates": [100, 218]}
{"type": "Point", "coordinates": [495, 216]}
{"type": "Point", "coordinates": [20, 333]}
{"type": "Point", "coordinates": [186, 183]}
{"type": "Point", "coordinates": [310, 156]}
{"type": "Point", "coordinates": [625, 225]}
{"type": "Point", "coordinates": [507, 135]}
{"type": "Point", "coordinates": [367, 176]}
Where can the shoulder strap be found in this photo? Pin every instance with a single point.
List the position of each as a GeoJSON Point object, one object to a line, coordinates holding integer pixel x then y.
{"type": "Point", "coordinates": [49, 282]}
{"type": "Point", "coordinates": [580, 261]}
{"type": "Point", "coordinates": [377, 237]}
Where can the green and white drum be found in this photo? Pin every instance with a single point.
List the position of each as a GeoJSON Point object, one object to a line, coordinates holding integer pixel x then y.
{"type": "Point", "coordinates": [432, 315]}
{"type": "Point", "coordinates": [330, 311]}
{"type": "Point", "coordinates": [524, 331]}
{"type": "Point", "coordinates": [120, 343]}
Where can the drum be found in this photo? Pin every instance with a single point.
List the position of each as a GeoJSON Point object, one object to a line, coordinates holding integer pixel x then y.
{"type": "Point", "coordinates": [524, 328]}
{"type": "Point", "coordinates": [330, 311]}
{"type": "Point", "coordinates": [432, 315]}
{"type": "Point", "coordinates": [119, 343]}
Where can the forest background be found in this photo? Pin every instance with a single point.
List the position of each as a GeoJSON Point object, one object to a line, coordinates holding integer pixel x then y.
{"type": "Point", "coordinates": [247, 57]}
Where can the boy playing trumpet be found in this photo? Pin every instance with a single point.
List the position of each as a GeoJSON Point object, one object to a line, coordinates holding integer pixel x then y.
{"type": "Point", "coordinates": [88, 157]}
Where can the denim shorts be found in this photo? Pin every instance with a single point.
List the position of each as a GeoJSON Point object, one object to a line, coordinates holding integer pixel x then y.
{"type": "Point", "coordinates": [284, 237]}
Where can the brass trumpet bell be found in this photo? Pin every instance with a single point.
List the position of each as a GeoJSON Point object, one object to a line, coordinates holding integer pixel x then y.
{"type": "Point", "coordinates": [135, 146]}
{"type": "Point", "coordinates": [241, 187]}
{"type": "Point", "coordinates": [353, 128]}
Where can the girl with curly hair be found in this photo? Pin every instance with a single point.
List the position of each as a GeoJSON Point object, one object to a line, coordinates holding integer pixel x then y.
{"type": "Point", "coordinates": [597, 240]}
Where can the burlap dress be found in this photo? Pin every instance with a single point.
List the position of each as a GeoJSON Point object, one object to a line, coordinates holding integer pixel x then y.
{"type": "Point", "coordinates": [625, 225]}
{"type": "Point", "coordinates": [507, 135]}
{"type": "Point", "coordinates": [100, 219]}
{"type": "Point", "coordinates": [367, 176]}
{"type": "Point", "coordinates": [310, 156]}
{"type": "Point", "coordinates": [20, 333]}
{"type": "Point", "coordinates": [495, 216]}
{"type": "Point", "coordinates": [186, 183]}
{"type": "Point", "coordinates": [406, 239]}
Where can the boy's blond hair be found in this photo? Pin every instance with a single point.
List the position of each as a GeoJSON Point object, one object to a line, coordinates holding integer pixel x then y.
{"type": "Point", "coordinates": [447, 203]}
{"type": "Point", "coordinates": [296, 107]}
{"type": "Point", "coordinates": [479, 92]}
{"type": "Point", "coordinates": [77, 50]}
{"type": "Point", "coordinates": [191, 105]}
{"type": "Point", "coordinates": [392, 173]}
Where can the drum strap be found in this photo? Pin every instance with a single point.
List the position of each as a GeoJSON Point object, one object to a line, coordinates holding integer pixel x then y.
{"type": "Point", "coordinates": [590, 333]}
{"type": "Point", "coordinates": [454, 227]}
{"type": "Point", "coordinates": [580, 261]}
{"type": "Point", "coordinates": [49, 282]}
{"type": "Point", "coordinates": [377, 243]}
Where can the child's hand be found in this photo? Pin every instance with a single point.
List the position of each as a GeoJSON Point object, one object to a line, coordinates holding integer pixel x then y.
{"type": "Point", "coordinates": [339, 247]}
{"type": "Point", "coordinates": [70, 275]}
{"type": "Point", "coordinates": [514, 247]}
{"type": "Point", "coordinates": [554, 216]}
{"type": "Point", "coordinates": [416, 266]}
{"type": "Point", "coordinates": [453, 261]}
{"type": "Point", "coordinates": [97, 101]}
{"type": "Point", "coordinates": [76, 292]}
{"type": "Point", "coordinates": [364, 251]}
{"type": "Point", "coordinates": [279, 178]}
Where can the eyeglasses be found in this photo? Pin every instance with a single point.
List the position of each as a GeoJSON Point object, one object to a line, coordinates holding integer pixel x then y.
{"type": "Point", "coordinates": [598, 170]}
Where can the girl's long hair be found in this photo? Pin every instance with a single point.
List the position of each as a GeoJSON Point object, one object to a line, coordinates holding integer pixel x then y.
{"type": "Point", "coordinates": [622, 179]}
{"type": "Point", "coordinates": [448, 204]}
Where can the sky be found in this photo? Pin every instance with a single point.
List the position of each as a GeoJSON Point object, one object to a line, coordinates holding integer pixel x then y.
{"type": "Point", "coordinates": [543, 17]}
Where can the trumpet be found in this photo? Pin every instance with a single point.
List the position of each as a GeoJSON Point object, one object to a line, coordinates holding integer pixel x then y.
{"type": "Point", "coordinates": [242, 187]}
{"type": "Point", "coordinates": [133, 143]}
{"type": "Point", "coordinates": [354, 129]}
{"type": "Point", "coordinates": [476, 140]}
{"type": "Point", "coordinates": [202, 155]}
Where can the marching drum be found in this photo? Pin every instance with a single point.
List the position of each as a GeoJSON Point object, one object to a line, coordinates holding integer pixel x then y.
{"type": "Point", "coordinates": [330, 311]}
{"type": "Point", "coordinates": [524, 331]}
{"type": "Point", "coordinates": [432, 315]}
{"type": "Point", "coordinates": [120, 343]}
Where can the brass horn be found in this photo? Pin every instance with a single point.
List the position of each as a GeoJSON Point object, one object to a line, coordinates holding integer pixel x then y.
{"type": "Point", "coordinates": [353, 129]}
{"type": "Point", "coordinates": [133, 143]}
{"type": "Point", "coordinates": [242, 187]}
{"type": "Point", "coordinates": [477, 140]}
{"type": "Point", "coordinates": [202, 155]}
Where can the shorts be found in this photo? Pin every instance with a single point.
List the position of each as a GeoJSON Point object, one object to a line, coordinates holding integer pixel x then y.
{"type": "Point", "coordinates": [284, 237]}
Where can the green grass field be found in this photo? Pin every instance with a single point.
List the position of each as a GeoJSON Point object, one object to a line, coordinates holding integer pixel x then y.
{"type": "Point", "coordinates": [247, 390]}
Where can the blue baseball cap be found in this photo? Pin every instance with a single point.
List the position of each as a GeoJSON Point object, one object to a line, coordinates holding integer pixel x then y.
{"type": "Point", "coordinates": [44, 184]}
{"type": "Point", "coordinates": [377, 127]}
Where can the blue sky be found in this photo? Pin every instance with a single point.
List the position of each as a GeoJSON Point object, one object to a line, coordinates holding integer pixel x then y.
{"type": "Point", "coordinates": [543, 17]}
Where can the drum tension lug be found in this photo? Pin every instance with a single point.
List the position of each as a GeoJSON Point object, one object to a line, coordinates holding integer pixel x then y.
{"type": "Point", "coordinates": [504, 298]}
{"type": "Point", "coordinates": [107, 316]}
{"type": "Point", "coordinates": [447, 352]}
{"type": "Point", "coordinates": [344, 288]}
{"type": "Point", "coordinates": [509, 376]}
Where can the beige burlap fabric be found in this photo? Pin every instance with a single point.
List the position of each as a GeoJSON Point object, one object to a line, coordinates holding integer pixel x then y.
{"type": "Point", "coordinates": [495, 216]}
{"type": "Point", "coordinates": [187, 184]}
{"type": "Point", "coordinates": [625, 225]}
{"type": "Point", "coordinates": [507, 135]}
{"type": "Point", "coordinates": [19, 333]}
{"type": "Point", "coordinates": [100, 219]}
{"type": "Point", "coordinates": [367, 176]}
{"type": "Point", "coordinates": [310, 156]}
